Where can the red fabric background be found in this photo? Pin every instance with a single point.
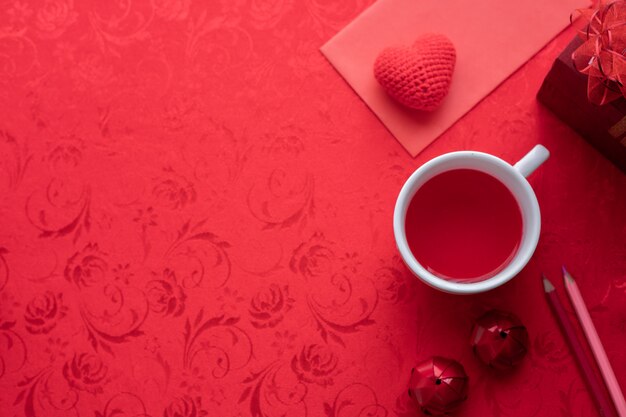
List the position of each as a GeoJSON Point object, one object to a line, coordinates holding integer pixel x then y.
{"type": "Point", "coordinates": [196, 220]}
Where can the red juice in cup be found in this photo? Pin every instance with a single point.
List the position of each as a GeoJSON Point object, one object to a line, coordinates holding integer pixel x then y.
{"type": "Point", "coordinates": [464, 225]}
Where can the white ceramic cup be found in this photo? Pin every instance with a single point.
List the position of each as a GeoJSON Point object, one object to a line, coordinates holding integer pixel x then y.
{"type": "Point", "coordinates": [512, 176]}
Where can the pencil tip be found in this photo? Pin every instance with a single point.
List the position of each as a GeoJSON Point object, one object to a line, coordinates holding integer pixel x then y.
{"type": "Point", "coordinates": [566, 276]}
{"type": "Point", "coordinates": [547, 285]}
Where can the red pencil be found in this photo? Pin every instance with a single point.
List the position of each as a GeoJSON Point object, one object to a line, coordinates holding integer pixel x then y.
{"type": "Point", "coordinates": [596, 344]}
{"type": "Point", "coordinates": [593, 383]}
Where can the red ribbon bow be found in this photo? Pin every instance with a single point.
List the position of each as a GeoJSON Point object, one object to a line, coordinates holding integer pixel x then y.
{"type": "Point", "coordinates": [601, 56]}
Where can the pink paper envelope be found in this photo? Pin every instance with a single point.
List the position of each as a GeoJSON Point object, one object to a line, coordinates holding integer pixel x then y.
{"type": "Point", "coordinates": [493, 38]}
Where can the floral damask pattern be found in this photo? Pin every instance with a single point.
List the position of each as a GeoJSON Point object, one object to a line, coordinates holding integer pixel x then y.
{"type": "Point", "coordinates": [165, 296]}
{"type": "Point", "coordinates": [85, 372]}
{"type": "Point", "coordinates": [347, 300]}
{"type": "Point", "coordinates": [315, 364]}
{"type": "Point", "coordinates": [4, 269]}
{"type": "Point", "coordinates": [13, 350]}
{"type": "Point", "coordinates": [15, 162]}
{"type": "Point", "coordinates": [274, 391]}
{"type": "Point", "coordinates": [46, 393]}
{"type": "Point", "coordinates": [356, 400]}
{"type": "Point", "coordinates": [216, 345]}
{"type": "Point", "coordinates": [282, 194]}
{"type": "Point", "coordinates": [123, 404]}
{"type": "Point", "coordinates": [268, 13]}
{"type": "Point", "coordinates": [172, 9]}
{"type": "Point", "coordinates": [87, 267]}
{"type": "Point", "coordinates": [195, 220]}
{"type": "Point", "coordinates": [54, 17]}
{"type": "Point", "coordinates": [185, 407]}
{"type": "Point", "coordinates": [393, 282]}
{"type": "Point", "coordinates": [43, 312]}
{"type": "Point", "coordinates": [172, 191]}
{"type": "Point", "coordinates": [268, 306]}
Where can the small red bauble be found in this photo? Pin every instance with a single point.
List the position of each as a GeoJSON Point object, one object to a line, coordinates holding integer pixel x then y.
{"type": "Point", "coordinates": [500, 340]}
{"type": "Point", "coordinates": [438, 385]}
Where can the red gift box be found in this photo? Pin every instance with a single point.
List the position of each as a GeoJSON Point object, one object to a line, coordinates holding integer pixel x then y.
{"type": "Point", "coordinates": [564, 92]}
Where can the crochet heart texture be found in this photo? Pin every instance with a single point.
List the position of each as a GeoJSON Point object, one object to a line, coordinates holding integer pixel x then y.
{"type": "Point", "coordinates": [417, 76]}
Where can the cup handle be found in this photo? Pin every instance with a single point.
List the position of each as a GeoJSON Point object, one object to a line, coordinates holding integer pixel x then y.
{"type": "Point", "coordinates": [531, 161]}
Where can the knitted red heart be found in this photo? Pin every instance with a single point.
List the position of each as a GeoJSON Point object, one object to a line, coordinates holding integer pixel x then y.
{"type": "Point", "coordinates": [417, 76]}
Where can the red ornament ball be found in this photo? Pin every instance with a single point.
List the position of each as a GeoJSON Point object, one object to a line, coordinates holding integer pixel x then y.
{"type": "Point", "coordinates": [500, 340]}
{"type": "Point", "coordinates": [438, 385]}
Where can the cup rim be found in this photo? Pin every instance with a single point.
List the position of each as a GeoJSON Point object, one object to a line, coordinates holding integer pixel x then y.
{"type": "Point", "coordinates": [520, 259]}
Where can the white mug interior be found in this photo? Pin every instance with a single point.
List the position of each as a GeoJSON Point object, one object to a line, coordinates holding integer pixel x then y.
{"type": "Point", "coordinates": [511, 177]}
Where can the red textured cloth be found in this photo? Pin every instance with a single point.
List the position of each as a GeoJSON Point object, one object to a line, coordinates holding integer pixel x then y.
{"type": "Point", "coordinates": [195, 220]}
{"type": "Point", "coordinates": [419, 75]}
